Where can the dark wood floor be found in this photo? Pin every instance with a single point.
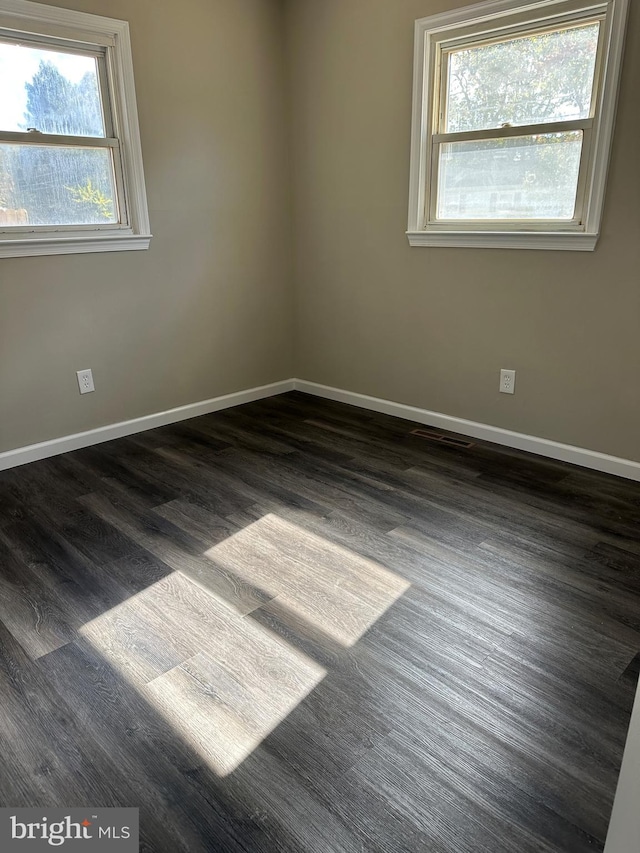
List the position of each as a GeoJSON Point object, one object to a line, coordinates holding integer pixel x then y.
{"type": "Point", "coordinates": [294, 626]}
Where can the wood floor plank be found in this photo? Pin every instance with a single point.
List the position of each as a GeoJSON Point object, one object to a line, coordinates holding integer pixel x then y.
{"type": "Point", "coordinates": [36, 617]}
{"type": "Point", "coordinates": [295, 626]}
{"type": "Point", "coordinates": [226, 703]}
{"type": "Point", "coordinates": [159, 537]}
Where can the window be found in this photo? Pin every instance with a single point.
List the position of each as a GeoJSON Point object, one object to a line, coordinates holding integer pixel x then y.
{"type": "Point", "coordinates": [71, 177]}
{"type": "Point", "coordinates": [514, 106]}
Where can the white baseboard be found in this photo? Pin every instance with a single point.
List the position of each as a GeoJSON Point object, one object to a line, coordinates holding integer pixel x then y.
{"type": "Point", "coordinates": [33, 452]}
{"type": "Point", "coordinates": [541, 446]}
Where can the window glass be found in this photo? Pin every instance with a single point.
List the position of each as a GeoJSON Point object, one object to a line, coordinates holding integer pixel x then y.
{"type": "Point", "coordinates": [523, 177]}
{"type": "Point", "coordinates": [528, 80]}
{"type": "Point", "coordinates": [49, 90]}
{"type": "Point", "coordinates": [56, 185]}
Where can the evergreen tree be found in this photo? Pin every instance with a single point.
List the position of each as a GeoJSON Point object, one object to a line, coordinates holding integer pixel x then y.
{"type": "Point", "coordinates": [49, 98]}
{"type": "Point", "coordinates": [86, 107]}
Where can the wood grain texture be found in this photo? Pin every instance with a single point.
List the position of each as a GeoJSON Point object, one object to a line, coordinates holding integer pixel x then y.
{"type": "Point", "coordinates": [294, 626]}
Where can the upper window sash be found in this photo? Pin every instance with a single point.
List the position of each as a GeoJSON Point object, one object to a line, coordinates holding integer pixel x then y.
{"type": "Point", "coordinates": [445, 49]}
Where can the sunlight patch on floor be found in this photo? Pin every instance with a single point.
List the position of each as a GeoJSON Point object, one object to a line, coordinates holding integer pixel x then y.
{"type": "Point", "coordinates": [221, 681]}
{"type": "Point", "coordinates": [224, 681]}
{"type": "Point", "coordinates": [331, 587]}
{"type": "Point", "coordinates": [225, 704]}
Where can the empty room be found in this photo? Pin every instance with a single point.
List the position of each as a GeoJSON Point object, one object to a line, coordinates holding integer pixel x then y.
{"type": "Point", "coordinates": [319, 426]}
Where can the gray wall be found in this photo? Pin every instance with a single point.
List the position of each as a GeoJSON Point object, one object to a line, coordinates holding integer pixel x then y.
{"type": "Point", "coordinates": [208, 309]}
{"type": "Point", "coordinates": [432, 327]}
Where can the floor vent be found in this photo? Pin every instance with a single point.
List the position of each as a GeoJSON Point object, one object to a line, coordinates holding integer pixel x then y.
{"type": "Point", "coordinates": [443, 439]}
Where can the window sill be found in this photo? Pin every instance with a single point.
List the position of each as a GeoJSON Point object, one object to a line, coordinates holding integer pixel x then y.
{"type": "Point", "coordinates": [569, 242]}
{"type": "Point", "coordinates": [72, 245]}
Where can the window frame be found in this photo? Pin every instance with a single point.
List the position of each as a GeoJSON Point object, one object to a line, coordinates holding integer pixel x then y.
{"type": "Point", "coordinates": [435, 38]}
{"type": "Point", "coordinates": [108, 39]}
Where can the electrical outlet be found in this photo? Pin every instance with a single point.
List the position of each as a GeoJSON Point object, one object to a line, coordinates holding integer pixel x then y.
{"type": "Point", "coordinates": [85, 381]}
{"type": "Point", "coordinates": [507, 382]}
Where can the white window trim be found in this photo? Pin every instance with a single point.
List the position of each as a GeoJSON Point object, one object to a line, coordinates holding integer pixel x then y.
{"type": "Point", "coordinates": [432, 30]}
{"type": "Point", "coordinates": [39, 19]}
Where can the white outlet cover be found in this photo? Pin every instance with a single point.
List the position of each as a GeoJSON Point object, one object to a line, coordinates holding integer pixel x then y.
{"type": "Point", "coordinates": [507, 382]}
{"type": "Point", "coordinates": [85, 381]}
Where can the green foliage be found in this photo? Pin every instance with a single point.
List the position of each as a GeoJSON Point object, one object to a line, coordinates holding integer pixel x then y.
{"type": "Point", "coordinates": [94, 197]}
{"type": "Point", "coordinates": [541, 78]}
